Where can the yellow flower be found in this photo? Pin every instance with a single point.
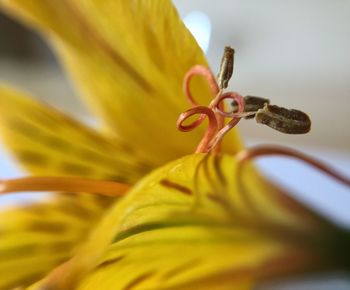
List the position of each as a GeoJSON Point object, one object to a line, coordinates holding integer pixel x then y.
{"type": "Point", "coordinates": [129, 61]}
{"type": "Point", "coordinates": [192, 224]}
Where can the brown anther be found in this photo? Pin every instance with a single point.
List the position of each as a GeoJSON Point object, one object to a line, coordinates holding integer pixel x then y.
{"type": "Point", "coordinates": [284, 120]}
{"type": "Point", "coordinates": [226, 67]}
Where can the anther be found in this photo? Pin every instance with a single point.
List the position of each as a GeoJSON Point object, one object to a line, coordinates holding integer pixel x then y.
{"type": "Point", "coordinates": [226, 67]}
{"type": "Point", "coordinates": [284, 120]}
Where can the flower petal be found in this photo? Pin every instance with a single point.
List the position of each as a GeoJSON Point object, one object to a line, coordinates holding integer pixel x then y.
{"type": "Point", "coordinates": [48, 142]}
{"type": "Point", "coordinates": [182, 258]}
{"type": "Point", "coordinates": [189, 223]}
{"type": "Point", "coordinates": [129, 58]}
{"type": "Point", "coordinates": [35, 238]}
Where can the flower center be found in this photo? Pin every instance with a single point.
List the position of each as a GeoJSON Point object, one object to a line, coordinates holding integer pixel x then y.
{"type": "Point", "coordinates": [215, 111]}
{"type": "Point", "coordinates": [281, 119]}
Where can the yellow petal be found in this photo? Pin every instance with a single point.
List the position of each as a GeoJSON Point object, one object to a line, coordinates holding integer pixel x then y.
{"type": "Point", "coordinates": [48, 142]}
{"type": "Point", "coordinates": [189, 223]}
{"type": "Point", "coordinates": [180, 258]}
{"type": "Point", "coordinates": [129, 59]}
{"type": "Point", "coordinates": [36, 238]}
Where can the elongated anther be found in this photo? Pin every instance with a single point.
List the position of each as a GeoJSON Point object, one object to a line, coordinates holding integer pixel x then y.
{"type": "Point", "coordinates": [226, 67]}
{"type": "Point", "coordinates": [284, 120]}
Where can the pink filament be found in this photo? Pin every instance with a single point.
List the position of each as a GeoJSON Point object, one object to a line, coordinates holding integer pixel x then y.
{"type": "Point", "coordinates": [235, 116]}
{"type": "Point", "coordinates": [234, 97]}
{"type": "Point", "coordinates": [66, 184]}
{"type": "Point", "coordinates": [203, 71]}
{"type": "Point", "coordinates": [210, 132]}
{"type": "Point", "coordinates": [261, 151]}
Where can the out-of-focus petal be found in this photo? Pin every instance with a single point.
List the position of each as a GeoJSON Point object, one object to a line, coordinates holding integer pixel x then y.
{"type": "Point", "coordinates": [36, 238]}
{"type": "Point", "coordinates": [50, 143]}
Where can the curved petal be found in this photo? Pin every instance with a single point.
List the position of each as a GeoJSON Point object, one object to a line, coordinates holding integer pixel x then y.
{"type": "Point", "coordinates": [48, 142]}
{"type": "Point", "coordinates": [36, 238]}
{"type": "Point", "coordinates": [129, 59]}
{"type": "Point", "coordinates": [189, 222]}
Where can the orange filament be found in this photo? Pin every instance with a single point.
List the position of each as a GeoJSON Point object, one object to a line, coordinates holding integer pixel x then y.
{"type": "Point", "coordinates": [234, 97]}
{"type": "Point", "coordinates": [214, 111]}
{"type": "Point", "coordinates": [66, 184]}
{"type": "Point", "coordinates": [212, 128]}
{"type": "Point", "coordinates": [260, 151]}
{"type": "Point", "coordinates": [202, 71]}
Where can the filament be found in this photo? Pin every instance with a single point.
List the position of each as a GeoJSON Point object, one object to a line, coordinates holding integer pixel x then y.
{"type": "Point", "coordinates": [234, 97]}
{"type": "Point", "coordinates": [203, 71]}
{"type": "Point", "coordinates": [66, 184]}
{"type": "Point", "coordinates": [260, 151]}
{"type": "Point", "coordinates": [211, 130]}
{"type": "Point", "coordinates": [235, 116]}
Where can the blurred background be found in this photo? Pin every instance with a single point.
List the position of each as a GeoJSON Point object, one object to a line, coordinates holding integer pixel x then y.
{"type": "Point", "coordinates": [294, 52]}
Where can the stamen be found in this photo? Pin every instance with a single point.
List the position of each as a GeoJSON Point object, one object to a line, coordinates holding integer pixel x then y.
{"type": "Point", "coordinates": [215, 110]}
{"type": "Point", "coordinates": [284, 120]}
{"type": "Point", "coordinates": [66, 184]}
{"type": "Point", "coordinates": [226, 67]}
{"type": "Point", "coordinates": [278, 118]}
{"type": "Point", "coordinates": [203, 71]}
{"type": "Point", "coordinates": [212, 127]}
{"type": "Point", "coordinates": [260, 151]}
